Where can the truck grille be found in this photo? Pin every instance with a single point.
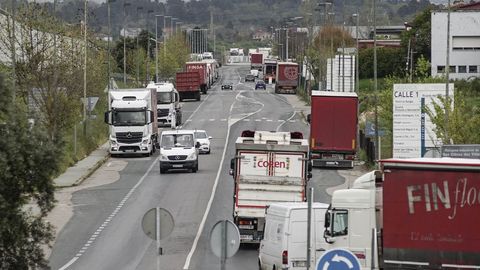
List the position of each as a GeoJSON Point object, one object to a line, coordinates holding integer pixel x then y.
{"type": "Point", "coordinates": [162, 112]}
{"type": "Point", "coordinates": [129, 137]}
{"type": "Point", "coordinates": [177, 157]}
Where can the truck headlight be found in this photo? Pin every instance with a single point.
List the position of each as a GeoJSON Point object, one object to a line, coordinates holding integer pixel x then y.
{"type": "Point", "coordinates": [113, 142]}
{"type": "Point", "coordinates": [204, 143]}
{"type": "Point", "coordinates": [163, 157]}
{"type": "Point", "coordinates": [145, 140]}
{"type": "Point", "coordinates": [192, 156]}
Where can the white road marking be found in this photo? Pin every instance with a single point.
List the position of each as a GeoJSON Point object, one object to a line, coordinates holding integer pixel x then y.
{"type": "Point", "coordinates": [258, 120]}
{"type": "Point", "coordinates": [103, 226]}
{"type": "Point", "coordinates": [223, 119]}
{"type": "Point", "coordinates": [211, 120]}
{"type": "Point", "coordinates": [210, 201]}
{"type": "Point", "coordinates": [279, 126]}
{"type": "Point", "coordinates": [246, 120]}
{"type": "Point", "coordinates": [269, 120]}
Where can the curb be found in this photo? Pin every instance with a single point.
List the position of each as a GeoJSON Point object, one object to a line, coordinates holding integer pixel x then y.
{"type": "Point", "coordinates": [91, 171]}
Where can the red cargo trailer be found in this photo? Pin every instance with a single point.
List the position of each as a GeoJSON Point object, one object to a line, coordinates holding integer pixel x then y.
{"type": "Point", "coordinates": [333, 128]}
{"type": "Point", "coordinates": [286, 80]}
{"type": "Point", "coordinates": [256, 61]}
{"type": "Point", "coordinates": [188, 85]}
{"type": "Point", "coordinates": [202, 69]}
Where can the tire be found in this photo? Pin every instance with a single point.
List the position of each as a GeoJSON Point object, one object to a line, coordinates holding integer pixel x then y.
{"type": "Point", "coordinates": [162, 171]}
{"type": "Point", "coordinates": [179, 119]}
{"type": "Point", "coordinates": [197, 96]}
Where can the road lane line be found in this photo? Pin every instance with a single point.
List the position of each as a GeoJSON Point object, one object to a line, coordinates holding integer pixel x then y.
{"type": "Point", "coordinates": [279, 126]}
{"type": "Point", "coordinates": [110, 217]}
{"type": "Point", "coordinates": [210, 201]}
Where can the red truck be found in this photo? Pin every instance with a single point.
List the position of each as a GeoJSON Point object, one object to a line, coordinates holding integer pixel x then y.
{"type": "Point", "coordinates": [188, 85]}
{"type": "Point", "coordinates": [421, 213]}
{"type": "Point", "coordinates": [256, 61]}
{"type": "Point", "coordinates": [333, 128]}
{"type": "Point", "coordinates": [286, 80]}
{"type": "Point", "coordinates": [203, 71]}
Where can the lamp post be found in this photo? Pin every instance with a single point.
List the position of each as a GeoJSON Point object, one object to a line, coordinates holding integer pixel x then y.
{"type": "Point", "coordinates": [325, 6]}
{"type": "Point", "coordinates": [357, 16]}
{"type": "Point", "coordinates": [447, 74]}
{"type": "Point", "coordinates": [148, 47]}
{"type": "Point", "coordinates": [85, 69]}
{"type": "Point", "coordinates": [164, 32]}
{"type": "Point", "coordinates": [156, 47]}
{"type": "Point", "coordinates": [330, 21]}
{"type": "Point", "coordinates": [138, 50]}
{"type": "Point", "coordinates": [108, 42]}
{"type": "Point", "coordinates": [375, 90]}
{"type": "Point", "coordinates": [125, 4]}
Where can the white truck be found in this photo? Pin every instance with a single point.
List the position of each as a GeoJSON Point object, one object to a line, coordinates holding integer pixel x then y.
{"type": "Point", "coordinates": [169, 110]}
{"type": "Point", "coordinates": [269, 167]}
{"type": "Point", "coordinates": [132, 121]}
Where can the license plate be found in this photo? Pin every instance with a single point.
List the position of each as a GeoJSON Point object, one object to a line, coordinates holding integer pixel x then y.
{"type": "Point", "coordinates": [299, 263]}
{"type": "Point", "coordinates": [246, 237]}
{"type": "Point", "coordinates": [248, 227]}
{"type": "Point", "coordinates": [177, 166]}
{"type": "Point", "coordinates": [337, 156]}
{"type": "Point", "coordinates": [129, 150]}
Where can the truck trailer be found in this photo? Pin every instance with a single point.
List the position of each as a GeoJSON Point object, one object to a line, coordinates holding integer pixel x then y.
{"type": "Point", "coordinates": [286, 80]}
{"type": "Point", "coordinates": [132, 120]}
{"type": "Point", "coordinates": [269, 70]}
{"type": "Point", "coordinates": [420, 213]}
{"type": "Point", "coordinates": [202, 69]}
{"type": "Point", "coordinates": [256, 61]}
{"type": "Point", "coordinates": [188, 85]}
{"type": "Point", "coordinates": [268, 167]}
{"type": "Point", "coordinates": [333, 128]}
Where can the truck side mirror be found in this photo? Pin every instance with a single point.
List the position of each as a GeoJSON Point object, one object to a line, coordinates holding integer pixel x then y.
{"type": "Point", "coordinates": [197, 145]}
{"type": "Point", "coordinates": [232, 167]}
{"type": "Point", "coordinates": [309, 166]}
{"type": "Point", "coordinates": [107, 118]}
{"type": "Point", "coordinates": [151, 117]}
{"type": "Point", "coordinates": [309, 118]}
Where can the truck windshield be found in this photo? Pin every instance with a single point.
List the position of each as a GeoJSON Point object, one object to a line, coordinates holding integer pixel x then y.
{"type": "Point", "coordinates": [177, 140]}
{"type": "Point", "coordinates": [164, 97]}
{"type": "Point", "coordinates": [129, 118]}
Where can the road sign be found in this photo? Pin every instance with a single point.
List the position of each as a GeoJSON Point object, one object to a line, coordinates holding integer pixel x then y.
{"type": "Point", "coordinates": [461, 151]}
{"type": "Point", "coordinates": [164, 220]}
{"type": "Point", "coordinates": [92, 101]}
{"type": "Point", "coordinates": [225, 232]}
{"type": "Point", "coordinates": [338, 259]}
{"type": "Point", "coordinates": [370, 130]}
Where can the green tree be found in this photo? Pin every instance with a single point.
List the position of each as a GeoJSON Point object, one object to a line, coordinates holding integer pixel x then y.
{"type": "Point", "coordinates": [28, 160]}
{"type": "Point", "coordinates": [172, 57]}
{"type": "Point", "coordinates": [390, 62]}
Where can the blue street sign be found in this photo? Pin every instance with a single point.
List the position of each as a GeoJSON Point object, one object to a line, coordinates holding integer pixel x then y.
{"type": "Point", "coordinates": [370, 130]}
{"type": "Point", "coordinates": [338, 259]}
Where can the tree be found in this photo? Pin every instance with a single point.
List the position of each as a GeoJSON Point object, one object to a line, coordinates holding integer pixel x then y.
{"type": "Point", "coordinates": [172, 57]}
{"type": "Point", "coordinates": [28, 160]}
{"type": "Point", "coordinates": [390, 62]}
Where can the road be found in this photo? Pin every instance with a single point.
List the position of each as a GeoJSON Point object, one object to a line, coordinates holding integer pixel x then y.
{"type": "Point", "coordinates": [105, 230]}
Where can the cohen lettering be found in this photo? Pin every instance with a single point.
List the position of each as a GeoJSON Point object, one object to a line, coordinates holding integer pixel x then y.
{"type": "Point", "coordinates": [274, 164]}
{"type": "Point", "coordinates": [435, 197]}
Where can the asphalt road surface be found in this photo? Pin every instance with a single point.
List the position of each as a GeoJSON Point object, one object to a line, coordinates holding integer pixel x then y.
{"type": "Point", "coordinates": [105, 230]}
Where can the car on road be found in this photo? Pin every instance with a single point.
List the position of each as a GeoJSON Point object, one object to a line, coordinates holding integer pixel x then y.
{"type": "Point", "coordinates": [203, 139]}
{"type": "Point", "coordinates": [249, 78]}
{"type": "Point", "coordinates": [227, 86]}
{"type": "Point", "coordinates": [260, 85]}
{"type": "Point", "coordinates": [178, 150]}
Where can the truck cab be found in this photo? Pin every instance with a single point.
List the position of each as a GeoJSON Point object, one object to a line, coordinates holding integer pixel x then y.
{"type": "Point", "coordinates": [169, 110]}
{"type": "Point", "coordinates": [132, 121]}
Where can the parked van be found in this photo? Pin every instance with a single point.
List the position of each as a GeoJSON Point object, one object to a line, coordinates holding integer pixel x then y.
{"type": "Point", "coordinates": [284, 244]}
{"type": "Point", "coordinates": [178, 150]}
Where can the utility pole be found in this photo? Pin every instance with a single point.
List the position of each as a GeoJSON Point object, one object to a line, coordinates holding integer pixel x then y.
{"type": "Point", "coordinates": [108, 43]}
{"type": "Point", "coordinates": [156, 47]}
{"type": "Point", "coordinates": [375, 90]}
{"type": "Point", "coordinates": [125, 4]}
{"type": "Point", "coordinates": [148, 48]}
{"type": "Point", "coordinates": [357, 75]}
{"type": "Point", "coordinates": [13, 56]}
{"type": "Point", "coordinates": [343, 46]}
{"type": "Point", "coordinates": [164, 32]}
{"type": "Point", "coordinates": [447, 76]}
{"type": "Point", "coordinates": [85, 101]}
{"type": "Point", "coordinates": [138, 52]}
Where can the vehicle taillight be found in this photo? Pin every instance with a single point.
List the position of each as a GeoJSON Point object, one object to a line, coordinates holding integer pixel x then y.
{"type": "Point", "coordinates": [349, 157]}
{"type": "Point", "coordinates": [285, 257]}
{"type": "Point", "coordinates": [315, 156]}
{"type": "Point", "coordinates": [245, 222]}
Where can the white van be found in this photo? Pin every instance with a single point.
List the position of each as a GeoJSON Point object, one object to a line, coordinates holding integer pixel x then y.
{"type": "Point", "coordinates": [284, 244]}
{"type": "Point", "coordinates": [178, 150]}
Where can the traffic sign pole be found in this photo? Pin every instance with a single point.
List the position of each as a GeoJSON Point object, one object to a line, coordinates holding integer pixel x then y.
{"type": "Point", "coordinates": [224, 245]}
{"type": "Point", "coordinates": [158, 237]}
{"type": "Point", "coordinates": [309, 227]}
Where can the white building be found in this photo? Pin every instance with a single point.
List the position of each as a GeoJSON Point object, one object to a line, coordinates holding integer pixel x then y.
{"type": "Point", "coordinates": [464, 42]}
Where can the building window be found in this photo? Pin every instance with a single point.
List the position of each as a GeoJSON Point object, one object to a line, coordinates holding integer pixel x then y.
{"type": "Point", "coordinates": [472, 69]}
{"type": "Point", "coordinates": [462, 69]}
{"type": "Point", "coordinates": [468, 43]}
{"type": "Point", "coordinates": [452, 69]}
{"type": "Point", "coordinates": [440, 69]}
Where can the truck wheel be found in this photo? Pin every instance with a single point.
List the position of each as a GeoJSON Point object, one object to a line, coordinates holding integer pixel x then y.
{"type": "Point", "coordinates": [198, 96]}
{"type": "Point", "coordinates": [162, 171]}
{"type": "Point", "coordinates": [195, 168]}
{"type": "Point", "coordinates": [179, 119]}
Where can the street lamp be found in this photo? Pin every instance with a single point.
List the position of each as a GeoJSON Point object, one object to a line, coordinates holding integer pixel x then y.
{"type": "Point", "coordinates": [164, 34]}
{"type": "Point", "coordinates": [138, 50]}
{"type": "Point", "coordinates": [156, 47]}
{"type": "Point", "coordinates": [331, 49]}
{"type": "Point", "coordinates": [125, 4]}
{"type": "Point", "coordinates": [148, 47]}
{"type": "Point", "coordinates": [108, 42]}
{"type": "Point", "coordinates": [357, 16]}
